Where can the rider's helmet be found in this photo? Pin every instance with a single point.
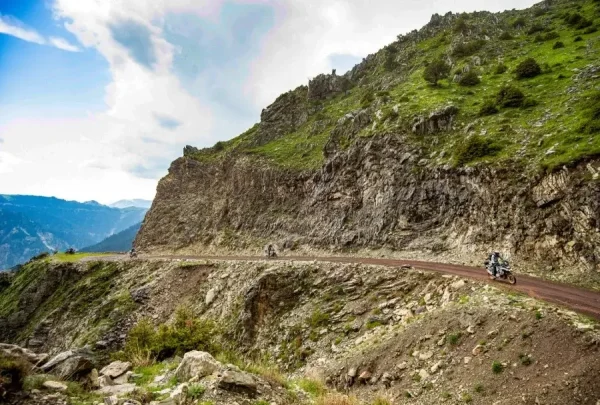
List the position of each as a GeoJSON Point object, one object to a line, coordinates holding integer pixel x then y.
{"type": "Point", "coordinates": [497, 254]}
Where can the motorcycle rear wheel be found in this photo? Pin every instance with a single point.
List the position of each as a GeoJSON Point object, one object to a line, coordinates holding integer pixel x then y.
{"type": "Point", "coordinates": [511, 279]}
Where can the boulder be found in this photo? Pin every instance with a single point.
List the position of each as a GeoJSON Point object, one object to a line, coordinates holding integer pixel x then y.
{"type": "Point", "coordinates": [438, 121]}
{"type": "Point", "coordinates": [196, 364]}
{"type": "Point", "coordinates": [55, 386]}
{"type": "Point", "coordinates": [116, 369]}
{"type": "Point", "coordinates": [59, 358]}
{"type": "Point", "coordinates": [74, 367]}
{"type": "Point", "coordinates": [26, 354]}
{"type": "Point", "coordinates": [238, 381]}
{"type": "Point", "coordinates": [118, 389]}
{"type": "Point", "coordinates": [365, 376]}
{"type": "Point", "coordinates": [105, 381]}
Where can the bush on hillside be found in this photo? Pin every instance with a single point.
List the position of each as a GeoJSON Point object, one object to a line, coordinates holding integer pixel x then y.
{"type": "Point", "coordinates": [519, 22]}
{"type": "Point", "coordinates": [578, 39]}
{"type": "Point", "coordinates": [219, 146]}
{"type": "Point", "coordinates": [469, 79]}
{"type": "Point", "coordinates": [467, 48]}
{"type": "Point", "coordinates": [577, 21]}
{"type": "Point", "coordinates": [590, 30]}
{"type": "Point", "coordinates": [436, 71]}
{"type": "Point", "coordinates": [500, 69]}
{"type": "Point", "coordinates": [505, 36]}
{"type": "Point", "coordinates": [527, 69]}
{"type": "Point", "coordinates": [475, 147]}
{"type": "Point", "coordinates": [535, 29]}
{"type": "Point", "coordinates": [510, 96]}
{"type": "Point", "coordinates": [488, 108]}
{"type": "Point", "coordinates": [547, 36]}
{"type": "Point", "coordinates": [558, 45]}
{"type": "Point", "coordinates": [186, 333]}
{"type": "Point", "coordinates": [461, 26]}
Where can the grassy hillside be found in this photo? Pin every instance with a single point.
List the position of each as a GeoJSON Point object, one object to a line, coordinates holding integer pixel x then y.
{"type": "Point", "coordinates": [554, 122]}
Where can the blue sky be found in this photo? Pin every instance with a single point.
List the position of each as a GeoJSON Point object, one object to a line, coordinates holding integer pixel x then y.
{"type": "Point", "coordinates": [98, 97]}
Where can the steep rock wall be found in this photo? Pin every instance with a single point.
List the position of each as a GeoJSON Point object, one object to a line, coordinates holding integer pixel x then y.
{"type": "Point", "coordinates": [379, 193]}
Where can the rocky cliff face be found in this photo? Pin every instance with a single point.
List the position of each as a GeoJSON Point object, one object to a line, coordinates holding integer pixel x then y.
{"type": "Point", "coordinates": [379, 193]}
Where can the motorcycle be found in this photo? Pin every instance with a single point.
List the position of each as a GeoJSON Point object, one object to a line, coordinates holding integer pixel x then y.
{"type": "Point", "coordinates": [132, 255]}
{"type": "Point", "coordinates": [503, 272]}
{"type": "Point", "coordinates": [271, 254]}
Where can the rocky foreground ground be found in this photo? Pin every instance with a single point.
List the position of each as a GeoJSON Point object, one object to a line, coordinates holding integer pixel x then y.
{"type": "Point", "coordinates": [287, 333]}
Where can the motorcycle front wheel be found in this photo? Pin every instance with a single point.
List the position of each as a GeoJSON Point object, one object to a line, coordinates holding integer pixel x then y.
{"type": "Point", "coordinates": [511, 279]}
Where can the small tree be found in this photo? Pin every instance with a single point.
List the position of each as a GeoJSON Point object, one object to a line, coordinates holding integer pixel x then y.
{"type": "Point", "coordinates": [436, 71]}
{"type": "Point", "coordinates": [528, 68]}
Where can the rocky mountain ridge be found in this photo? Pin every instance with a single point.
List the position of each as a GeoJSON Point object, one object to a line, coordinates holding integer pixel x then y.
{"type": "Point", "coordinates": [378, 159]}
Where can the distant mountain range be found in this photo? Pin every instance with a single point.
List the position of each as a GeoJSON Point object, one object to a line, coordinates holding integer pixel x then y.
{"type": "Point", "coordinates": [30, 225]}
{"type": "Point", "coordinates": [132, 203]}
{"type": "Point", "coordinates": [120, 242]}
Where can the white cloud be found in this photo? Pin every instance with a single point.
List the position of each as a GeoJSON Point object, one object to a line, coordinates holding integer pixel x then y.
{"type": "Point", "coordinates": [12, 26]}
{"type": "Point", "coordinates": [309, 31]}
{"type": "Point", "coordinates": [62, 44]}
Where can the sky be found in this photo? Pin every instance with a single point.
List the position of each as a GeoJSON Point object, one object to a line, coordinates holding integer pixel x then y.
{"type": "Point", "coordinates": [98, 97]}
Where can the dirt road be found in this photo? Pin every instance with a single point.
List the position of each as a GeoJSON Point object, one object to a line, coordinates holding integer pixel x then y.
{"type": "Point", "coordinates": [578, 299]}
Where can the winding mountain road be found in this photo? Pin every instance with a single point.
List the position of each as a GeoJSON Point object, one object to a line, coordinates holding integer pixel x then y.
{"type": "Point", "coordinates": [578, 299]}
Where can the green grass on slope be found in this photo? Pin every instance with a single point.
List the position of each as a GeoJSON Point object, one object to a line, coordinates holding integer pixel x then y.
{"type": "Point", "coordinates": [544, 134]}
{"type": "Point", "coordinates": [66, 258]}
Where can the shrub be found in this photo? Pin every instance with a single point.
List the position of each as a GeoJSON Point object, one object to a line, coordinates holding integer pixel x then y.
{"type": "Point", "coordinates": [577, 21]}
{"type": "Point", "coordinates": [475, 147]}
{"type": "Point", "coordinates": [469, 79]}
{"type": "Point", "coordinates": [529, 102]}
{"type": "Point", "coordinates": [535, 29]}
{"type": "Point", "coordinates": [525, 360]}
{"type": "Point", "coordinates": [497, 367]}
{"type": "Point", "coordinates": [196, 391]}
{"type": "Point", "coordinates": [527, 69]}
{"type": "Point", "coordinates": [590, 30]}
{"type": "Point", "coordinates": [436, 71]}
{"type": "Point", "coordinates": [510, 96]}
{"type": "Point", "coordinates": [466, 397]}
{"type": "Point", "coordinates": [500, 69]}
{"type": "Point", "coordinates": [186, 333]}
{"type": "Point", "coordinates": [519, 22]}
{"type": "Point", "coordinates": [219, 146]}
{"type": "Point", "coordinates": [318, 318]}
{"type": "Point", "coordinates": [558, 45]}
{"type": "Point", "coordinates": [390, 63]}
{"type": "Point", "coordinates": [505, 36]}
{"type": "Point", "coordinates": [467, 48]}
{"type": "Point", "coordinates": [381, 401]}
{"type": "Point", "coordinates": [479, 388]}
{"type": "Point", "coordinates": [454, 338]}
{"type": "Point", "coordinates": [578, 39]}
{"type": "Point", "coordinates": [40, 256]}
{"type": "Point", "coordinates": [367, 98]}
{"type": "Point", "coordinates": [461, 26]}
{"type": "Point", "coordinates": [488, 108]}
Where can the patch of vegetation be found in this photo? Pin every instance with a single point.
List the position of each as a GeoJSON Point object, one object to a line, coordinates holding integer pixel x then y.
{"type": "Point", "coordinates": [527, 69]}
{"type": "Point", "coordinates": [318, 318]}
{"type": "Point", "coordinates": [500, 69]}
{"type": "Point", "coordinates": [510, 96]}
{"type": "Point", "coordinates": [505, 36]}
{"type": "Point", "coordinates": [497, 367]}
{"type": "Point", "coordinates": [488, 108]}
{"type": "Point", "coordinates": [144, 343]}
{"type": "Point", "coordinates": [558, 45]}
{"type": "Point", "coordinates": [577, 21]}
{"type": "Point", "coordinates": [479, 388]}
{"type": "Point", "coordinates": [373, 323]}
{"type": "Point", "coordinates": [476, 147]}
{"type": "Point", "coordinates": [525, 359]}
{"type": "Point", "coordinates": [313, 387]}
{"type": "Point", "coordinates": [72, 258]}
{"type": "Point", "coordinates": [196, 391]}
{"type": "Point", "coordinates": [466, 398]}
{"type": "Point", "coordinates": [12, 374]}
{"type": "Point", "coordinates": [465, 49]}
{"type": "Point", "coordinates": [469, 79]}
{"type": "Point", "coordinates": [436, 71]}
{"type": "Point", "coordinates": [454, 338]}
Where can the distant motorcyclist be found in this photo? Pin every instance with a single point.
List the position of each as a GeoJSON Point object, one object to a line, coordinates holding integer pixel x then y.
{"type": "Point", "coordinates": [495, 262]}
{"type": "Point", "coordinates": [271, 251]}
{"type": "Point", "coordinates": [132, 252]}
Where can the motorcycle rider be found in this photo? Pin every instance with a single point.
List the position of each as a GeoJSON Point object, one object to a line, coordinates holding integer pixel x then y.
{"type": "Point", "coordinates": [132, 252]}
{"type": "Point", "coordinates": [495, 261]}
{"type": "Point", "coordinates": [270, 250]}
